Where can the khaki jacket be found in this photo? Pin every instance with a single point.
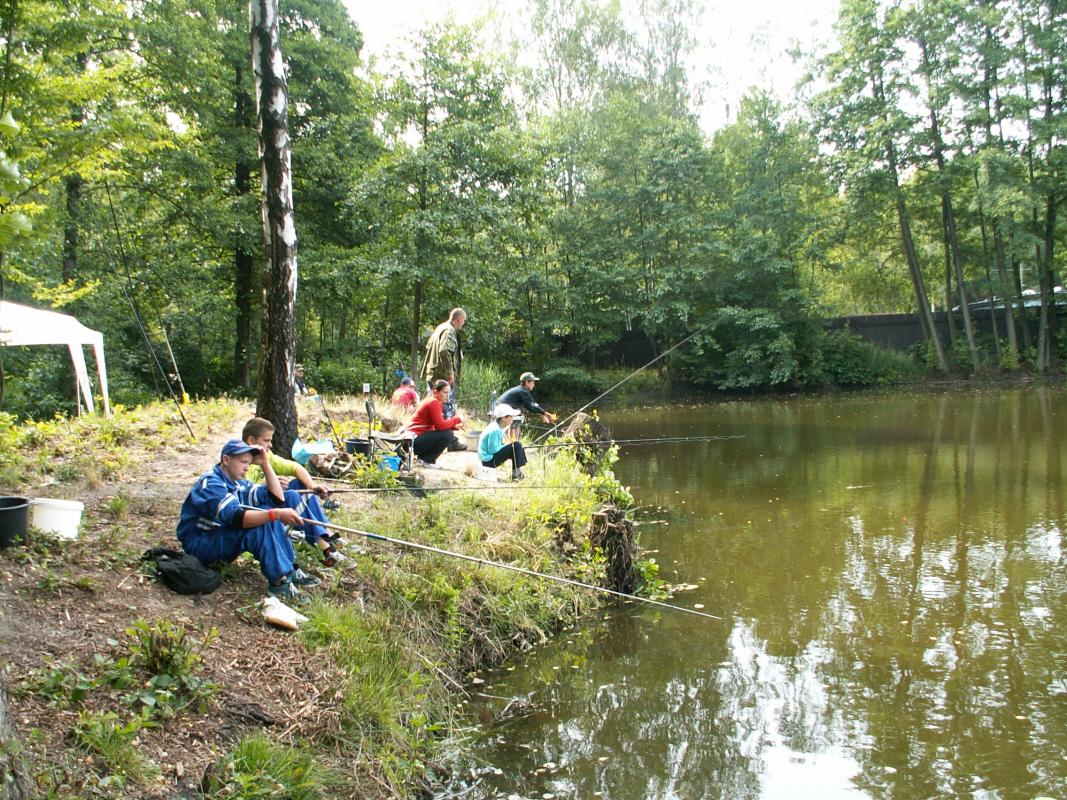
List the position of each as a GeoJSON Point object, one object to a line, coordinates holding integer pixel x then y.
{"type": "Point", "coordinates": [443, 355]}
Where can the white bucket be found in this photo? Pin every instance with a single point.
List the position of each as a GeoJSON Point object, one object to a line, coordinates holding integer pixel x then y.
{"type": "Point", "coordinates": [58, 517]}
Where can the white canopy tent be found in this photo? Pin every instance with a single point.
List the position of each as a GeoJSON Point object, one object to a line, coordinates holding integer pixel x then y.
{"type": "Point", "coordinates": [23, 325]}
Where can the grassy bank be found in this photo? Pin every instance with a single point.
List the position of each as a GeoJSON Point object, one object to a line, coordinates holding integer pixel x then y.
{"type": "Point", "coordinates": [120, 688]}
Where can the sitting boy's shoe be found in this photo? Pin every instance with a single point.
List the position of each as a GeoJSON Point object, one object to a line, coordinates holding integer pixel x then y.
{"type": "Point", "coordinates": [335, 560]}
{"type": "Point", "coordinates": [516, 475]}
{"type": "Point", "coordinates": [331, 505]}
{"type": "Point", "coordinates": [301, 578]}
{"type": "Point", "coordinates": [285, 591]}
{"type": "Point", "coordinates": [456, 446]}
{"type": "Point", "coordinates": [334, 540]}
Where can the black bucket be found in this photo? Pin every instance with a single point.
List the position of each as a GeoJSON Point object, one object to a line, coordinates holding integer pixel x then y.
{"type": "Point", "coordinates": [360, 447]}
{"type": "Point", "coordinates": [14, 517]}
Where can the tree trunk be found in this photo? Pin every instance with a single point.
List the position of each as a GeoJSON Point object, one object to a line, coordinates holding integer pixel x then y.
{"type": "Point", "coordinates": [243, 262]}
{"type": "Point", "coordinates": [72, 187]}
{"type": "Point", "coordinates": [988, 272]}
{"type": "Point", "coordinates": [1046, 350]}
{"type": "Point", "coordinates": [14, 783]}
{"type": "Point", "coordinates": [1005, 288]}
{"type": "Point", "coordinates": [275, 396]}
{"type": "Point", "coordinates": [910, 255]}
{"type": "Point", "coordinates": [416, 323]}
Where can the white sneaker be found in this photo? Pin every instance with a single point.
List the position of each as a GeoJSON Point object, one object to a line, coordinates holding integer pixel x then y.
{"type": "Point", "coordinates": [338, 560]}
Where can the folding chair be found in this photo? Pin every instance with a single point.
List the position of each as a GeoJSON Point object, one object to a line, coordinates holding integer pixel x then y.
{"type": "Point", "coordinates": [398, 444]}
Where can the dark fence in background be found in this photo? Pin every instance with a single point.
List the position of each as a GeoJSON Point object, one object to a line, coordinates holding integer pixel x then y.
{"type": "Point", "coordinates": [901, 331]}
{"type": "Point", "coordinates": [890, 331]}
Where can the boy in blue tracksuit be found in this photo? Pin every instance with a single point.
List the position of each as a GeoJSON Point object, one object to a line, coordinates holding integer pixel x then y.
{"type": "Point", "coordinates": [226, 515]}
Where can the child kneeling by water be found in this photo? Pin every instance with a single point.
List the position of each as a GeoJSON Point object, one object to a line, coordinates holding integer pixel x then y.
{"type": "Point", "coordinates": [226, 515]}
{"type": "Point", "coordinates": [494, 448]}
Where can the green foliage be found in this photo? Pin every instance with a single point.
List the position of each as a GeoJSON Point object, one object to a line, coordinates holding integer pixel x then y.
{"type": "Point", "coordinates": [258, 769]}
{"type": "Point", "coordinates": [478, 382]}
{"type": "Point", "coordinates": [105, 737]}
{"type": "Point", "coordinates": [569, 381]}
{"type": "Point", "coordinates": [340, 377]}
{"type": "Point", "coordinates": [848, 360]}
{"type": "Point", "coordinates": [164, 651]}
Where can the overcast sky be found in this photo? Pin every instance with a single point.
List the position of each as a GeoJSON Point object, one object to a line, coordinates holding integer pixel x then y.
{"type": "Point", "coordinates": [741, 43]}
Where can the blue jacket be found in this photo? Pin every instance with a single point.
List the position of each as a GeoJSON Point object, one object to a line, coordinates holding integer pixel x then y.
{"type": "Point", "coordinates": [216, 502]}
{"type": "Point", "coordinates": [491, 440]}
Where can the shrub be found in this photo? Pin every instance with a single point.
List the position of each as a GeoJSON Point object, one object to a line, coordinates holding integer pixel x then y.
{"type": "Point", "coordinates": [569, 381]}
{"type": "Point", "coordinates": [849, 360]}
{"type": "Point", "coordinates": [259, 768]}
{"type": "Point", "coordinates": [478, 381]}
{"type": "Point", "coordinates": [338, 377]}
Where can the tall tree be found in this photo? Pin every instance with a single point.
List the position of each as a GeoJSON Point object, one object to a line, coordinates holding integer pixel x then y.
{"type": "Point", "coordinates": [930, 26]}
{"type": "Point", "coordinates": [863, 117]}
{"type": "Point", "coordinates": [275, 389]}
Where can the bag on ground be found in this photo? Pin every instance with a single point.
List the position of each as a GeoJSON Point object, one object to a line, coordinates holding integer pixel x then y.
{"type": "Point", "coordinates": [181, 572]}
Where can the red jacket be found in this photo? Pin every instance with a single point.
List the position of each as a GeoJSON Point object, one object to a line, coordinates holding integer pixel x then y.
{"type": "Point", "coordinates": [428, 417]}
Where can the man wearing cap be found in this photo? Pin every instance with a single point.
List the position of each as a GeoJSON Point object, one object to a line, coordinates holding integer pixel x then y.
{"type": "Point", "coordinates": [497, 446]}
{"type": "Point", "coordinates": [521, 397]}
{"type": "Point", "coordinates": [298, 380]}
{"type": "Point", "coordinates": [226, 515]}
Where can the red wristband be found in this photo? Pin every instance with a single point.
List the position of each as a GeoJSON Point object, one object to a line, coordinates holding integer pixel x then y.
{"type": "Point", "coordinates": [271, 515]}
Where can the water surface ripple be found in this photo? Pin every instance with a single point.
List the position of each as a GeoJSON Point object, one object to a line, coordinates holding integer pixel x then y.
{"type": "Point", "coordinates": [891, 573]}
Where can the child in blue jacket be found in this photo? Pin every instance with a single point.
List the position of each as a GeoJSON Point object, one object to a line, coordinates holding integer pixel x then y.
{"type": "Point", "coordinates": [226, 515]}
{"type": "Point", "coordinates": [493, 450]}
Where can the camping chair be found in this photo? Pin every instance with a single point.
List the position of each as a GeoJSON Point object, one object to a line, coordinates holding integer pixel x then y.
{"type": "Point", "coordinates": [398, 444]}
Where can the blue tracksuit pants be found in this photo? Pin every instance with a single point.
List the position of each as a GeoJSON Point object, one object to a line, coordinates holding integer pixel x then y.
{"type": "Point", "coordinates": [269, 544]}
{"type": "Point", "coordinates": [309, 507]}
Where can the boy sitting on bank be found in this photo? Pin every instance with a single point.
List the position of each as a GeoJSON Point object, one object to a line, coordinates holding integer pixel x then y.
{"type": "Point", "coordinates": [226, 515]}
{"type": "Point", "coordinates": [259, 432]}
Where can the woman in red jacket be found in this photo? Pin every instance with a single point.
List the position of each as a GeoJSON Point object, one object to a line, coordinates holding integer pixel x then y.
{"type": "Point", "coordinates": [432, 431]}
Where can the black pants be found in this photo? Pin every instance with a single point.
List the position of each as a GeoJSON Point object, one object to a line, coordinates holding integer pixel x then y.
{"type": "Point", "coordinates": [428, 446]}
{"type": "Point", "coordinates": [509, 452]}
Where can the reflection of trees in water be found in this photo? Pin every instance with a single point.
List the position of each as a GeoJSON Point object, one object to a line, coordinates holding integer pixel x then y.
{"type": "Point", "coordinates": [916, 619]}
{"type": "Point", "coordinates": [941, 656]}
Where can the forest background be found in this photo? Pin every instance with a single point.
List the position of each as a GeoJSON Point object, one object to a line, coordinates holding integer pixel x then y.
{"type": "Point", "coordinates": [559, 187]}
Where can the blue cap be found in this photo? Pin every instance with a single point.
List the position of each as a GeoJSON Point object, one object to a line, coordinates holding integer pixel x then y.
{"type": "Point", "coordinates": [235, 447]}
{"type": "Point", "coordinates": [406, 381]}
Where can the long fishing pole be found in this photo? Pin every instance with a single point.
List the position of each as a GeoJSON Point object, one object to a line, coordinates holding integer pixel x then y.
{"type": "Point", "coordinates": [128, 292]}
{"type": "Point", "coordinates": [567, 581]}
{"type": "Point", "coordinates": [602, 395]}
{"type": "Point", "coordinates": [336, 438]}
{"type": "Point", "coordinates": [659, 440]}
{"type": "Point", "coordinates": [363, 490]}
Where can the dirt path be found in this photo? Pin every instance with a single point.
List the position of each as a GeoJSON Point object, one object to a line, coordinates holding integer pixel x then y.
{"type": "Point", "coordinates": [66, 604]}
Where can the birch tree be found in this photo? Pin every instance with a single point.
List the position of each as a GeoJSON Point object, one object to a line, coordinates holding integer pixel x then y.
{"type": "Point", "coordinates": [274, 395]}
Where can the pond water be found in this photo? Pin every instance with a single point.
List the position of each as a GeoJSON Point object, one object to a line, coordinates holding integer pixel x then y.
{"type": "Point", "coordinates": [891, 576]}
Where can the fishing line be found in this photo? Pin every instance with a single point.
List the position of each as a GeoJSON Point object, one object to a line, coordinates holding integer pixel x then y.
{"type": "Point", "coordinates": [128, 292]}
{"type": "Point", "coordinates": [336, 438]}
{"type": "Point", "coordinates": [602, 395]}
{"type": "Point", "coordinates": [579, 443]}
{"type": "Point", "coordinates": [567, 581]}
{"type": "Point", "coordinates": [362, 490]}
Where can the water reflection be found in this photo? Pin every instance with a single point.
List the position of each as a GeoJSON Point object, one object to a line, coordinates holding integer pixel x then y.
{"type": "Point", "coordinates": [892, 576]}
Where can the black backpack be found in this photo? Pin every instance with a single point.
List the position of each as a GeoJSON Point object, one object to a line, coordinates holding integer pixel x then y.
{"type": "Point", "coordinates": [181, 572]}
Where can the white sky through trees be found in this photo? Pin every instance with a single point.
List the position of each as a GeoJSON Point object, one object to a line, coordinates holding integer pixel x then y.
{"type": "Point", "coordinates": [740, 44]}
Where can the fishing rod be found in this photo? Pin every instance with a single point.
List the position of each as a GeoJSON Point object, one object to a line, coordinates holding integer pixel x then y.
{"type": "Point", "coordinates": [336, 438]}
{"type": "Point", "coordinates": [660, 440]}
{"type": "Point", "coordinates": [602, 395]}
{"type": "Point", "coordinates": [127, 291]}
{"type": "Point", "coordinates": [567, 581]}
{"type": "Point", "coordinates": [362, 490]}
